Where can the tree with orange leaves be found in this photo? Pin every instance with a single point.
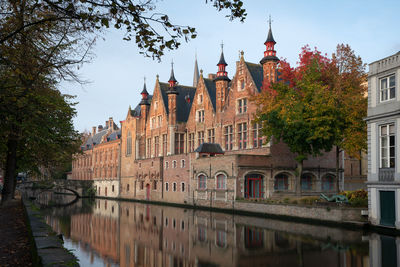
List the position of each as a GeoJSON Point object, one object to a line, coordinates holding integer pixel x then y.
{"type": "Point", "coordinates": [315, 106]}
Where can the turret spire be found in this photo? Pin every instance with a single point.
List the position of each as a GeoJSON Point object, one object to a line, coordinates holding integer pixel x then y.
{"type": "Point", "coordinates": [269, 53]}
{"type": "Point", "coordinates": [144, 94]}
{"type": "Point", "coordinates": [222, 74]}
{"type": "Point", "coordinates": [172, 81]}
{"type": "Point", "coordinates": [196, 72]}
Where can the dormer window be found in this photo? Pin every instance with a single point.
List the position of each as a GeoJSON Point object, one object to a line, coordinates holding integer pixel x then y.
{"type": "Point", "coordinates": [153, 123]}
{"type": "Point", "coordinates": [159, 121]}
{"type": "Point", "coordinates": [387, 87]}
{"type": "Point", "coordinates": [200, 115]}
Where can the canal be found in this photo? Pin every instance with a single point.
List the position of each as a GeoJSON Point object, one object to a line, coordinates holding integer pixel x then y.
{"type": "Point", "coordinates": [117, 233]}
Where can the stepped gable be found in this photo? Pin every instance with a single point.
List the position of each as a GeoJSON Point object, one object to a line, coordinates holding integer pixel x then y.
{"type": "Point", "coordinates": [256, 72]}
{"type": "Point", "coordinates": [182, 105]}
{"type": "Point", "coordinates": [210, 85]}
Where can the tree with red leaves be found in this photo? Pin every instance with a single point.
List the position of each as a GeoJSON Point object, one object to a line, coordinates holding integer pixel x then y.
{"type": "Point", "coordinates": [315, 106]}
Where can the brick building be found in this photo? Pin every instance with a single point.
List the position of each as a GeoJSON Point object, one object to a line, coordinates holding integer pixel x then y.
{"type": "Point", "coordinates": [99, 160]}
{"type": "Point", "coordinates": [160, 136]}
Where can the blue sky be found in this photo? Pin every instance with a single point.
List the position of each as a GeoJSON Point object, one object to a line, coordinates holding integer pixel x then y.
{"type": "Point", "coordinates": [116, 72]}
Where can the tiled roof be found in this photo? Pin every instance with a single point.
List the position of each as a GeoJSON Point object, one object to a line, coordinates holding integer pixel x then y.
{"type": "Point", "coordinates": [256, 72]}
{"type": "Point", "coordinates": [210, 85]}
{"type": "Point", "coordinates": [94, 140]}
{"type": "Point", "coordinates": [114, 135]}
{"type": "Point", "coordinates": [182, 105]}
{"type": "Point", "coordinates": [209, 148]}
{"type": "Point", "coordinates": [137, 110]}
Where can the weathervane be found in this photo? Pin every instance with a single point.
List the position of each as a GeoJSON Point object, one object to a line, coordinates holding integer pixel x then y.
{"type": "Point", "coordinates": [270, 20]}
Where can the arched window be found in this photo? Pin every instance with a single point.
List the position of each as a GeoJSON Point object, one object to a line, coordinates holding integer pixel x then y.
{"type": "Point", "coordinates": [202, 182]}
{"type": "Point", "coordinates": [306, 181]}
{"type": "Point", "coordinates": [221, 181]}
{"type": "Point", "coordinates": [129, 144]}
{"type": "Point", "coordinates": [328, 182]}
{"type": "Point", "coordinates": [281, 182]}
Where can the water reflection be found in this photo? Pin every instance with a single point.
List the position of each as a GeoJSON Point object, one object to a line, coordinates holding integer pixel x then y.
{"type": "Point", "coordinates": [134, 234]}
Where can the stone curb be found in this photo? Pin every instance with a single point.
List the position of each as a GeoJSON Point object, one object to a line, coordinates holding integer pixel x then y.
{"type": "Point", "coordinates": [49, 246]}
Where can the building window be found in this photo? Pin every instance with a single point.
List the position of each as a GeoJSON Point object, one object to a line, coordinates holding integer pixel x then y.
{"type": "Point", "coordinates": [166, 187]}
{"type": "Point", "coordinates": [328, 182]}
{"type": "Point", "coordinates": [182, 163]}
{"type": "Point", "coordinates": [257, 138]}
{"type": "Point", "coordinates": [112, 188]}
{"type": "Point", "coordinates": [153, 123]}
{"type": "Point", "coordinates": [221, 238]}
{"type": "Point", "coordinates": [211, 135]}
{"type": "Point", "coordinates": [141, 185]}
{"type": "Point", "coordinates": [154, 185]}
{"type": "Point", "coordinates": [387, 146]}
{"type": "Point", "coordinates": [148, 148]}
{"type": "Point", "coordinates": [242, 105]}
{"type": "Point", "coordinates": [200, 137]}
{"type": "Point", "coordinates": [128, 145]}
{"type": "Point", "coordinates": [200, 99]}
{"type": "Point", "coordinates": [191, 142]}
{"type": "Point", "coordinates": [127, 188]}
{"type": "Point", "coordinates": [281, 182]}
{"type": "Point", "coordinates": [179, 143]}
{"type": "Point", "coordinates": [156, 146]}
{"type": "Point", "coordinates": [174, 187]}
{"type": "Point", "coordinates": [387, 88]}
{"type": "Point", "coordinates": [306, 181]}
{"type": "Point", "coordinates": [183, 187]}
{"type": "Point", "coordinates": [164, 139]}
{"type": "Point", "coordinates": [228, 134]}
{"type": "Point", "coordinates": [159, 121]}
{"type": "Point", "coordinates": [166, 165]}
{"type": "Point", "coordinates": [200, 115]}
{"type": "Point", "coordinates": [221, 181]}
{"type": "Point", "coordinates": [241, 83]}
{"type": "Point", "coordinates": [174, 164]}
{"type": "Point", "coordinates": [201, 233]}
{"type": "Point", "coordinates": [242, 135]}
{"type": "Point", "coordinates": [202, 182]}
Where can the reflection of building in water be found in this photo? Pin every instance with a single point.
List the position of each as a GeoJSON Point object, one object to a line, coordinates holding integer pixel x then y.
{"type": "Point", "coordinates": [99, 230]}
{"type": "Point", "coordinates": [384, 250]}
{"type": "Point", "coordinates": [146, 235]}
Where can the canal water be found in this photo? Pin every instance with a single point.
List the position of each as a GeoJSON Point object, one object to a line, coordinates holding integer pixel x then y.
{"type": "Point", "coordinates": [118, 233]}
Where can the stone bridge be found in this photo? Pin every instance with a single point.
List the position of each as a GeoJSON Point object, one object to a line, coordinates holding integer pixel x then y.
{"type": "Point", "coordinates": [80, 188]}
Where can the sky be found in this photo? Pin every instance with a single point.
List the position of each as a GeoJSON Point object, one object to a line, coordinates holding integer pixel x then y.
{"type": "Point", "coordinates": [116, 72]}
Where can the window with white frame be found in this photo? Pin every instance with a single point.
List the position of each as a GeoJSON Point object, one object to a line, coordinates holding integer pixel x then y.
{"type": "Point", "coordinates": [166, 165]}
{"type": "Point", "coordinates": [200, 137]}
{"type": "Point", "coordinates": [200, 115]}
{"type": "Point", "coordinates": [174, 164]}
{"type": "Point", "coordinates": [221, 181]}
{"type": "Point", "coordinates": [257, 137]}
{"type": "Point", "coordinates": [153, 123]}
{"type": "Point", "coordinates": [387, 146]}
{"type": "Point", "coordinates": [159, 121]}
{"type": "Point", "coordinates": [174, 187]}
{"type": "Point", "coordinates": [242, 106]}
{"type": "Point", "coordinates": [242, 135]}
{"type": "Point", "coordinates": [202, 182]}
{"type": "Point", "coordinates": [228, 136]}
{"type": "Point", "coordinates": [179, 143]}
{"type": "Point", "coordinates": [387, 88]}
{"type": "Point", "coordinates": [211, 135]}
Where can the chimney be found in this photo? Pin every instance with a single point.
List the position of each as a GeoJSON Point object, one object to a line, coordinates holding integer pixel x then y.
{"type": "Point", "coordinates": [93, 130]}
{"type": "Point", "coordinates": [212, 76]}
{"type": "Point", "coordinates": [111, 123]}
{"type": "Point", "coordinates": [107, 126]}
{"type": "Point", "coordinates": [99, 128]}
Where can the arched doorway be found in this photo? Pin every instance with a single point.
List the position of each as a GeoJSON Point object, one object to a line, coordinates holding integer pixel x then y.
{"type": "Point", "coordinates": [253, 186]}
{"type": "Point", "coordinates": [147, 191]}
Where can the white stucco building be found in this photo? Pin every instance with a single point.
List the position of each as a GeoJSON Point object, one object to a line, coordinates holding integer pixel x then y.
{"type": "Point", "coordinates": [383, 141]}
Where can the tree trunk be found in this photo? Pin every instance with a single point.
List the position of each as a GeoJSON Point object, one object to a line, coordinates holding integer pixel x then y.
{"type": "Point", "coordinates": [298, 177]}
{"type": "Point", "coordinates": [11, 163]}
{"type": "Point", "coordinates": [337, 169]}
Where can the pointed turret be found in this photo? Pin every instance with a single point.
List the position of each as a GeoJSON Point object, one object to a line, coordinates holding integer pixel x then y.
{"type": "Point", "coordinates": [196, 73]}
{"type": "Point", "coordinates": [270, 53]}
{"type": "Point", "coordinates": [145, 95]}
{"type": "Point", "coordinates": [222, 74]}
{"type": "Point", "coordinates": [172, 81]}
{"type": "Point", "coordinates": [269, 62]}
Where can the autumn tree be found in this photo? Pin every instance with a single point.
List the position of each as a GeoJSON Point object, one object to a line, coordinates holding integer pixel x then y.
{"type": "Point", "coordinates": [294, 111]}
{"type": "Point", "coordinates": [317, 106]}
